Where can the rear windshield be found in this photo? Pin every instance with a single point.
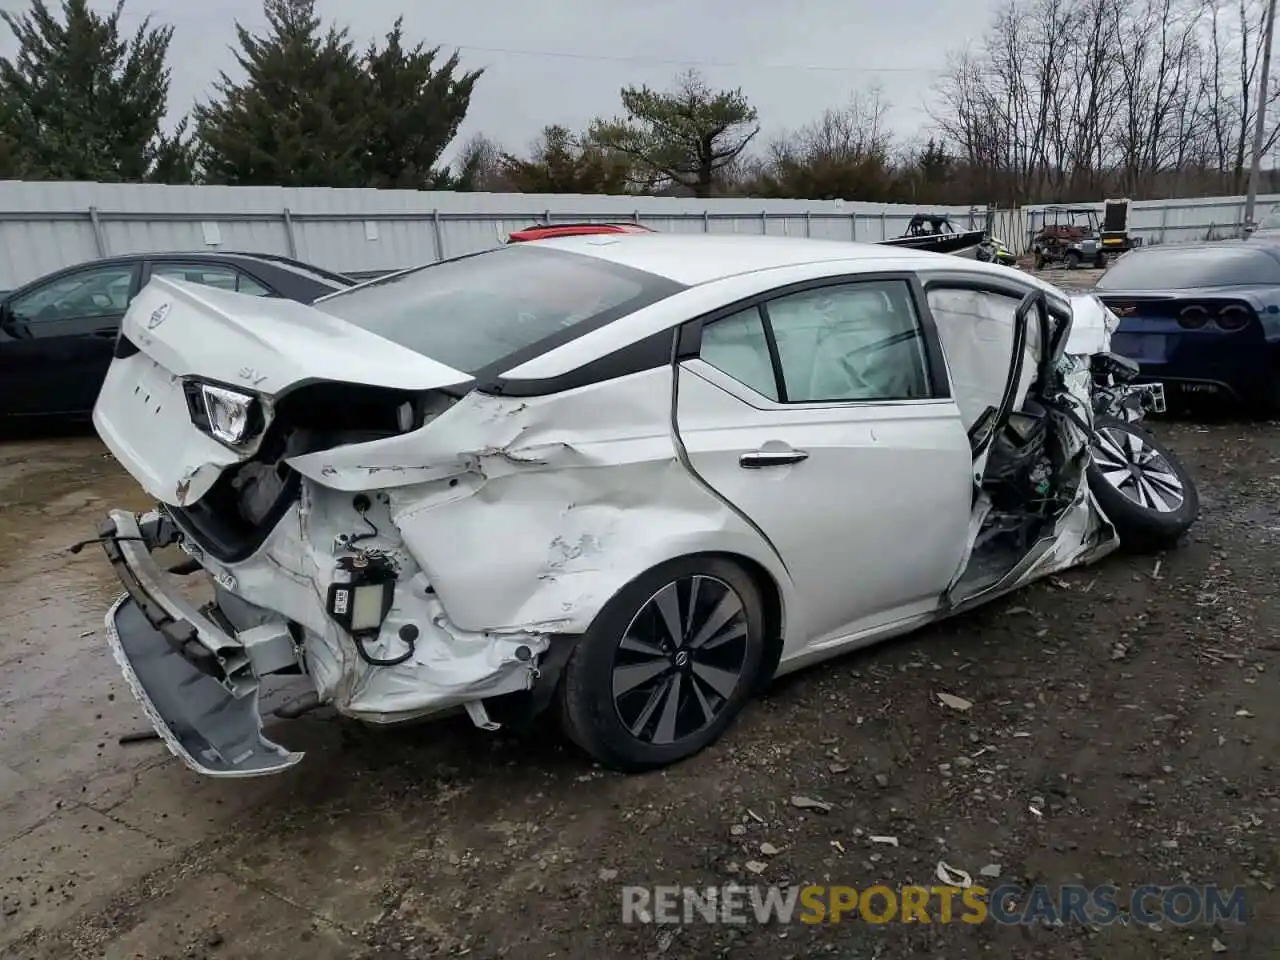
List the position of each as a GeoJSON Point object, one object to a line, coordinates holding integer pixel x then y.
{"type": "Point", "coordinates": [474, 311]}
{"type": "Point", "coordinates": [1171, 268]}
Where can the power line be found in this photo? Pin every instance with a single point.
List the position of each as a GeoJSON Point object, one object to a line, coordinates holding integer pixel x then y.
{"type": "Point", "coordinates": [664, 61]}
{"type": "Point", "coordinates": [598, 57]}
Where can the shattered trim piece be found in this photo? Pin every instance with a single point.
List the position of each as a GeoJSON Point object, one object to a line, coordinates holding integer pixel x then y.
{"type": "Point", "coordinates": [161, 726]}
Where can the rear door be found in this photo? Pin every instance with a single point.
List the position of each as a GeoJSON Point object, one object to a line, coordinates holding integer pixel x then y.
{"type": "Point", "coordinates": [823, 414]}
{"type": "Point", "coordinates": [210, 274]}
{"type": "Point", "coordinates": [58, 337]}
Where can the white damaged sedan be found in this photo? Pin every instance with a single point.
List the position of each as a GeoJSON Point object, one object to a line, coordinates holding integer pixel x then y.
{"type": "Point", "coordinates": [633, 476]}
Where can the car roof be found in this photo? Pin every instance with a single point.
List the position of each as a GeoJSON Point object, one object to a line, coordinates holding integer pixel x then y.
{"type": "Point", "coordinates": [1268, 244]}
{"type": "Point", "coordinates": [290, 278]}
{"type": "Point", "coordinates": [215, 256]}
{"type": "Point", "coordinates": [692, 259]}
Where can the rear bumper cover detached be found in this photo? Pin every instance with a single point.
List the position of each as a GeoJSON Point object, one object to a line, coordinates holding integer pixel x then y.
{"type": "Point", "coordinates": [193, 680]}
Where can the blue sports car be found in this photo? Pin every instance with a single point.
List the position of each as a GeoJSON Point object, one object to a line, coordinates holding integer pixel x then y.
{"type": "Point", "coordinates": [1201, 317]}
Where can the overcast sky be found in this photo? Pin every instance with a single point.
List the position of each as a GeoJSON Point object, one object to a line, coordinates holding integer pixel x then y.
{"type": "Point", "coordinates": [564, 61]}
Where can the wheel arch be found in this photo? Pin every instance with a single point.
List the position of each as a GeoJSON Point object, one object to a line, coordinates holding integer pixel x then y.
{"type": "Point", "coordinates": [775, 613]}
{"type": "Point", "coordinates": [771, 600]}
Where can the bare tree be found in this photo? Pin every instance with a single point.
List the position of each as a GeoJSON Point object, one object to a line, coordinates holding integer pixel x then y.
{"type": "Point", "coordinates": [1229, 79]}
{"type": "Point", "coordinates": [845, 153]}
{"type": "Point", "coordinates": [1065, 99]}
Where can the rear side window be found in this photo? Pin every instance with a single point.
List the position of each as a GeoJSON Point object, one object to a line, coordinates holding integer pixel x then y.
{"type": "Point", "coordinates": [476, 311]}
{"type": "Point", "coordinates": [210, 275]}
{"type": "Point", "coordinates": [857, 341]}
{"type": "Point", "coordinates": [845, 342]}
{"type": "Point", "coordinates": [1171, 268]}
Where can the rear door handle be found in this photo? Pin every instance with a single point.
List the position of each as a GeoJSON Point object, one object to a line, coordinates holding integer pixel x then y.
{"type": "Point", "coordinates": [770, 458]}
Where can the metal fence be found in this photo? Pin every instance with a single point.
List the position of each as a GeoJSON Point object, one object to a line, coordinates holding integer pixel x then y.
{"type": "Point", "coordinates": [45, 226]}
{"type": "Point", "coordinates": [1155, 221]}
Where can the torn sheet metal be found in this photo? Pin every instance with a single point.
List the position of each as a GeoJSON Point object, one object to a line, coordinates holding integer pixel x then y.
{"type": "Point", "coordinates": [184, 330]}
{"type": "Point", "coordinates": [1092, 324]}
{"type": "Point", "coordinates": [551, 503]}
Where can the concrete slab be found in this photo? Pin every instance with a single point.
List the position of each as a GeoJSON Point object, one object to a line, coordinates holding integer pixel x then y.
{"type": "Point", "coordinates": [69, 863]}
{"type": "Point", "coordinates": [356, 856]}
{"type": "Point", "coordinates": [218, 916]}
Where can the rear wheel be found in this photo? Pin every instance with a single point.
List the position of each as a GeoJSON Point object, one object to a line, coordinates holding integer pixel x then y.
{"type": "Point", "coordinates": [1073, 259]}
{"type": "Point", "coordinates": [1146, 493]}
{"type": "Point", "coordinates": [666, 665]}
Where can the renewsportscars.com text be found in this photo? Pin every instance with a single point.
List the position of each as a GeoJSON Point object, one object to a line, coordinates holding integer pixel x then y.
{"type": "Point", "coordinates": [1006, 904]}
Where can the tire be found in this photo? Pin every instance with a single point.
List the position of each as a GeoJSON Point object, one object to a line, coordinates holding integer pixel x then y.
{"type": "Point", "coordinates": [602, 722]}
{"type": "Point", "coordinates": [1150, 516]}
{"type": "Point", "coordinates": [1100, 262]}
{"type": "Point", "coordinates": [1073, 259]}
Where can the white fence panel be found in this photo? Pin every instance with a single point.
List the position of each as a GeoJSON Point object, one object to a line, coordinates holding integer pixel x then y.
{"type": "Point", "coordinates": [45, 226]}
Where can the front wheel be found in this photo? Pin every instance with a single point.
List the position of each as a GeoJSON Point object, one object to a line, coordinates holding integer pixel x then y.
{"type": "Point", "coordinates": [1145, 492]}
{"type": "Point", "coordinates": [1073, 259]}
{"type": "Point", "coordinates": [666, 665]}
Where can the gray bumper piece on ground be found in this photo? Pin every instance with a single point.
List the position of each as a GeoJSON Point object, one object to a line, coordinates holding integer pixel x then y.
{"type": "Point", "coordinates": [210, 729]}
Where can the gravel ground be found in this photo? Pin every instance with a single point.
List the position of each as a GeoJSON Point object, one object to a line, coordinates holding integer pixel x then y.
{"type": "Point", "coordinates": [1122, 730]}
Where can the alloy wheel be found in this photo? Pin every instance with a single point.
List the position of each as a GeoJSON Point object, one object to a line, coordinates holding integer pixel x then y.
{"type": "Point", "coordinates": [680, 659]}
{"type": "Point", "coordinates": [1137, 470]}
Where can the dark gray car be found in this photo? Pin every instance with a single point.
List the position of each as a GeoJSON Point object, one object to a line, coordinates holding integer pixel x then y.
{"type": "Point", "coordinates": [57, 333]}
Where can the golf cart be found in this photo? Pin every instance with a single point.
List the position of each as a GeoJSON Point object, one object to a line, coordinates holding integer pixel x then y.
{"type": "Point", "coordinates": [1066, 235]}
{"type": "Point", "coordinates": [1071, 235]}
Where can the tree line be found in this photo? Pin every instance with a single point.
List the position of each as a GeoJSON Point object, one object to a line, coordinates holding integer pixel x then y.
{"type": "Point", "coordinates": [1058, 101]}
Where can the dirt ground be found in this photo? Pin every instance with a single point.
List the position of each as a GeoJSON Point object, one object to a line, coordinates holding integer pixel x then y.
{"type": "Point", "coordinates": [1125, 730]}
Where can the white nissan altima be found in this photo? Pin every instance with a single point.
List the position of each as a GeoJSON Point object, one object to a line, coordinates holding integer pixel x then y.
{"type": "Point", "coordinates": [633, 476]}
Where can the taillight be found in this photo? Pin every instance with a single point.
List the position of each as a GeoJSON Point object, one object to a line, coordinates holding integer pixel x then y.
{"type": "Point", "coordinates": [1234, 317]}
{"type": "Point", "coordinates": [1193, 317]}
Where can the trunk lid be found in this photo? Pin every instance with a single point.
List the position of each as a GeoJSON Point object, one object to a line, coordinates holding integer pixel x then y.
{"type": "Point", "coordinates": [263, 347]}
{"type": "Point", "coordinates": [268, 344]}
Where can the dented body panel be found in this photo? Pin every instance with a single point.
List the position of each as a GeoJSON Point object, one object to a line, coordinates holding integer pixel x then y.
{"type": "Point", "coordinates": [499, 527]}
{"type": "Point", "coordinates": [531, 513]}
{"type": "Point", "coordinates": [262, 344]}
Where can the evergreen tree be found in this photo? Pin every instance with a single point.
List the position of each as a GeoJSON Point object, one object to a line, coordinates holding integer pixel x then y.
{"type": "Point", "coordinates": [79, 101]}
{"type": "Point", "coordinates": [563, 163]}
{"type": "Point", "coordinates": [312, 111]}
{"type": "Point", "coordinates": [298, 119]}
{"type": "Point", "coordinates": [414, 111]}
{"type": "Point", "coordinates": [685, 136]}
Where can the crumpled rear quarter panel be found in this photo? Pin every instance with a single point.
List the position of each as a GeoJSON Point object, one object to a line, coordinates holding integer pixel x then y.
{"type": "Point", "coordinates": [528, 514]}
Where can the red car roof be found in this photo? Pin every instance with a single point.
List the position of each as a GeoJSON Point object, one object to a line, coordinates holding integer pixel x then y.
{"type": "Point", "coordinates": [544, 231]}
